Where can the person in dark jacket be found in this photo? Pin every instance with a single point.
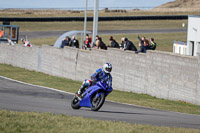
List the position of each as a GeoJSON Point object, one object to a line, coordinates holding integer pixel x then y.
{"type": "Point", "coordinates": [113, 43]}
{"type": "Point", "coordinates": [129, 45]}
{"type": "Point", "coordinates": [144, 44]}
{"type": "Point", "coordinates": [152, 45]}
{"type": "Point", "coordinates": [102, 45]}
{"type": "Point", "coordinates": [74, 42]}
{"type": "Point", "coordinates": [66, 42]}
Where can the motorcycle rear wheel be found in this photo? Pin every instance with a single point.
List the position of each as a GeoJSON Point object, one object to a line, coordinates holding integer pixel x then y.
{"type": "Point", "coordinates": [97, 102]}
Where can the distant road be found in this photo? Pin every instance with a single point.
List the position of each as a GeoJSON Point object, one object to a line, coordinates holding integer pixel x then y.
{"type": "Point", "coordinates": [24, 97]}
{"type": "Point", "coordinates": [45, 34]}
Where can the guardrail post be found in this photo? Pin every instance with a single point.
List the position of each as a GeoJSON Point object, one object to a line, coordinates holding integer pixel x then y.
{"type": "Point", "coordinates": [39, 59]}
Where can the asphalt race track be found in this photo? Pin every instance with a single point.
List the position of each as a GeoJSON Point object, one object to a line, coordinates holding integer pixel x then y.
{"type": "Point", "coordinates": [18, 96]}
{"type": "Point", "coordinates": [45, 34]}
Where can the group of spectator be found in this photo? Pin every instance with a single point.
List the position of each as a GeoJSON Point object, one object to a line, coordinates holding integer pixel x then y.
{"type": "Point", "coordinates": [144, 44]}
{"type": "Point", "coordinates": [25, 42]}
{"type": "Point", "coordinates": [126, 44]}
{"type": "Point", "coordinates": [99, 44]}
{"type": "Point", "coordinates": [71, 42]}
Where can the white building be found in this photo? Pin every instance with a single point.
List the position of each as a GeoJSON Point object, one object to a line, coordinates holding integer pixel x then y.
{"type": "Point", "coordinates": [192, 47]}
{"type": "Point", "coordinates": [193, 35]}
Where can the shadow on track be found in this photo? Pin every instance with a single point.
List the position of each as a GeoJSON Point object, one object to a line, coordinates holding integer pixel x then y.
{"type": "Point", "coordinates": [121, 112]}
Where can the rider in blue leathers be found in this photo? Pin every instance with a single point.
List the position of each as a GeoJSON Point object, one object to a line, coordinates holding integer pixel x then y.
{"type": "Point", "coordinates": [100, 74]}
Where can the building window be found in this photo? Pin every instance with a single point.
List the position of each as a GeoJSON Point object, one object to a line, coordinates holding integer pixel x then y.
{"type": "Point", "coordinates": [192, 48]}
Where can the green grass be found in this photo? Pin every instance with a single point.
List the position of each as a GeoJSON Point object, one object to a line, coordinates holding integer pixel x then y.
{"type": "Point", "coordinates": [42, 41]}
{"type": "Point", "coordinates": [39, 78]}
{"type": "Point", "coordinates": [103, 25]}
{"type": "Point", "coordinates": [119, 96]}
{"type": "Point", "coordinates": [30, 122]}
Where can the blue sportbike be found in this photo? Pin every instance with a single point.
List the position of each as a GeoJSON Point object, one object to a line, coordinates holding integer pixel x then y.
{"type": "Point", "coordinates": [93, 97]}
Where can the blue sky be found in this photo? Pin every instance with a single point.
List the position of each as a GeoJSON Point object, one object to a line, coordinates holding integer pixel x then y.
{"type": "Point", "coordinates": [78, 3]}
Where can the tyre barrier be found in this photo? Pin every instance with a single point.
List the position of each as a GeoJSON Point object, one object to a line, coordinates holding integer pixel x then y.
{"type": "Point", "coordinates": [119, 18]}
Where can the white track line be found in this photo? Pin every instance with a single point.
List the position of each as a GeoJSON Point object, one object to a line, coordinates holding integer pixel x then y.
{"type": "Point", "coordinates": [37, 85]}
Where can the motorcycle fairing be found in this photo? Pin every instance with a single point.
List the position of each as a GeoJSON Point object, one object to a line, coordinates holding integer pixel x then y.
{"type": "Point", "coordinates": [86, 101]}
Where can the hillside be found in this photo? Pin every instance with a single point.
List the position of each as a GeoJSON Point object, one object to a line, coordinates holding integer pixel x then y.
{"type": "Point", "coordinates": [181, 5]}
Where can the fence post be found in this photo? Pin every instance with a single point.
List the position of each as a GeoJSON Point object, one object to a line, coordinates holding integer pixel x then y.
{"type": "Point", "coordinates": [39, 59]}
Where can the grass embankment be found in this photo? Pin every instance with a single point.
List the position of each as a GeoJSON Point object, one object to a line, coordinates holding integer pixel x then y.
{"type": "Point", "coordinates": [102, 25]}
{"type": "Point", "coordinates": [17, 122]}
{"type": "Point", "coordinates": [68, 13]}
{"type": "Point", "coordinates": [119, 96]}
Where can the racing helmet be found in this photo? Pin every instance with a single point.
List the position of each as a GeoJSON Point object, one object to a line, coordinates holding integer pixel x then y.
{"type": "Point", "coordinates": [107, 68]}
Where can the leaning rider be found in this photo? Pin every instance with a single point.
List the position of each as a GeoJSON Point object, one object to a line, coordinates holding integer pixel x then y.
{"type": "Point", "coordinates": [100, 74]}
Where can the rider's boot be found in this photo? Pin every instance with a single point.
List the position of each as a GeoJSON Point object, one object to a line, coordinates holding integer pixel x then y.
{"type": "Point", "coordinates": [85, 84]}
{"type": "Point", "coordinates": [80, 91]}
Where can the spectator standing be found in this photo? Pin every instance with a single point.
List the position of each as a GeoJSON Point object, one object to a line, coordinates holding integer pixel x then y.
{"type": "Point", "coordinates": [128, 45]}
{"type": "Point", "coordinates": [113, 43]}
{"type": "Point", "coordinates": [152, 45]}
{"type": "Point", "coordinates": [74, 42]}
{"type": "Point", "coordinates": [66, 42]}
{"type": "Point", "coordinates": [102, 45]}
{"type": "Point", "coordinates": [26, 43]}
{"type": "Point", "coordinates": [88, 41]}
{"type": "Point", "coordinates": [144, 44]}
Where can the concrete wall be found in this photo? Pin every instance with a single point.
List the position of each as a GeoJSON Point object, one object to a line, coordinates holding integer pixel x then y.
{"type": "Point", "coordinates": [175, 77]}
{"type": "Point", "coordinates": [19, 56]}
{"type": "Point", "coordinates": [161, 74]}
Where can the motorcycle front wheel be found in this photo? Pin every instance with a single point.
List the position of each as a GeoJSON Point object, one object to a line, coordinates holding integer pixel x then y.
{"type": "Point", "coordinates": [75, 103]}
{"type": "Point", "coordinates": [97, 101]}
